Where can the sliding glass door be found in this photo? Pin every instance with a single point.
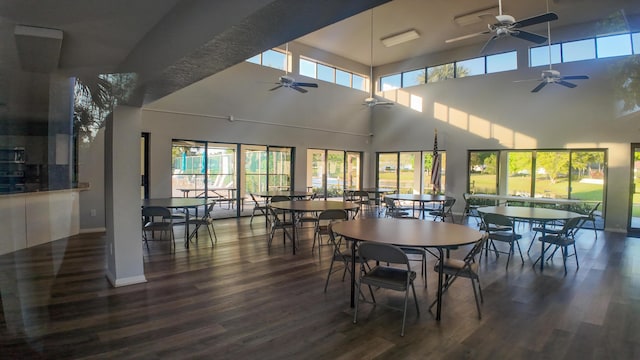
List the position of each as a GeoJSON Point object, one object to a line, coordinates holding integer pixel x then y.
{"type": "Point", "coordinates": [330, 172]}
{"type": "Point", "coordinates": [279, 170]}
{"type": "Point", "coordinates": [483, 172]}
{"type": "Point", "coordinates": [409, 172]}
{"type": "Point", "coordinates": [265, 168]}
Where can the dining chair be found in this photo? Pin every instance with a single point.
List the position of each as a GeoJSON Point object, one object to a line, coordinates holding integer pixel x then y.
{"type": "Point", "coordinates": [396, 275]}
{"type": "Point", "coordinates": [308, 217]}
{"type": "Point", "coordinates": [393, 210]}
{"type": "Point", "coordinates": [470, 209]}
{"type": "Point", "coordinates": [207, 221]}
{"type": "Point", "coordinates": [465, 268]}
{"type": "Point", "coordinates": [501, 229]}
{"type": "Point", "coordinates": [341, 256]}
{"type": "Point", "coordinates": [591, 216]}
{"type": "Point", "coordinates": [444, 211]}
{"type": "Point", "coordinates": [550, 228]}
{"type": "Point", "coordinates": [278, 221]}
{"type": "Point", "coordinates": [157, 218]}
{"type": "Point", "coordinates": [259, 207]}
{"type": "Point", "coordinates": [323, 222]}
{"type": "Point", "coordinates": [361, 197]}
{"type": "Point", "coordinates": [562, 240]}
{"type": "Point", "coordinates": [419, 255]}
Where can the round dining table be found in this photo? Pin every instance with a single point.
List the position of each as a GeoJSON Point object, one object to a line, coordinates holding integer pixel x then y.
{"type": "Point", "coordinates": [419, 198]}
{"type": "Point", "coordinates": [541, 215]}
{"type": "Point", "coordinates": [407, 233]}
{"type": "Point", "coordinates": [297, 207]}
{"type": "Point", "coordinates": [288, 193]}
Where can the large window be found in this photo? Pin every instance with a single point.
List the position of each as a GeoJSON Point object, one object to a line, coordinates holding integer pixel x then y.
{"type": "Point", "coordinates": [520, 165]}
{"type": "Point", "coordinates": [266, 168]}
{"type": "Point", "coordinates": [314, 69]}
{"type": "Point", "coordinates": [271, 58]}
{"type": "Point", "coordinates": [188, 167]}
{"type": "Point", "coordinates": [200, 168]}
{"type": "Point", "coordinates": [457, 69]}
{"type": "Point", "coordinates": [502, 62]}
{"type": "Point", "coordinates": [483, 172]}
{"type": "Point", "coordinates": [279, 168]}
{"type": "Point", "coordinates": [330, 172]}
{"type": "Point", "coordinates": [409, 172]}
{"type": "Point", "coordinates": [562, 174]}
{"type": "Point", "coordinates": [586, 49]}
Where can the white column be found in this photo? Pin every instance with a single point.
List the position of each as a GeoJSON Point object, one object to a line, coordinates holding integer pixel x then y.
{"type": "Point", "coordinates": [122, 197]}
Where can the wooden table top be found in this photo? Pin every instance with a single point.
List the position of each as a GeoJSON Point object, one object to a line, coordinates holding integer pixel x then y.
{"type": "Point", "coordinates": [531, 213]}
{"type": "Point", "coordinates": [408, 232]}
{"type": "Point", "coordinates": [374, 190]}
{"type": "Point", "coordinates": [538, 200]}
{"type": "Point", "coordinates": [308, 206]}
{"type": "Point", "coordinates": [418, 197]}
{"type": "Point", "coordinates": [272, 193]}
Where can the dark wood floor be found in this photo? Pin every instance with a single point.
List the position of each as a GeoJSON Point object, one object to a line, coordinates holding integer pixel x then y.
{"type": "Point", "coordinates": [237, 301]}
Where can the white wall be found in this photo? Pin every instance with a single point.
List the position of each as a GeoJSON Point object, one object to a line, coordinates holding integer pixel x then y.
{"type": "Point", "coordinates": [493, 112]}
{"type": "Point", "coordinates": [482, 112]}
{"type": "Point", "coordinates": [330, 117]}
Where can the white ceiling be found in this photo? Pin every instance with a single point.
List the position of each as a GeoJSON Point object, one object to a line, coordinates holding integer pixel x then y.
{"type": "Point", "coordinates": [172, 43]}
{"type": "Point", "coordinates": [433, 19]}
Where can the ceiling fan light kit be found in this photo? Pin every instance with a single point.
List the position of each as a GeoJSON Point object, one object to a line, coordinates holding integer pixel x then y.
{"type": "Point", "coordinates": [507, 25]}
{"type": "Point", "coordinates": [287, 81]}
{"type": "Point", "coordinates": [551, 76]}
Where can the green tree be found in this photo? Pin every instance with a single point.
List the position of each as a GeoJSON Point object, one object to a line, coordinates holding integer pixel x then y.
{"type": "Point", "coordinates": [585, 162]}
{"type": "Point", "coordinates": [443, 72]}
{"type": "Point", "coordinates": [491, 164]}
{"type": "Point", "coordinates": [553, 163]}
{"type": "Point", "coordinates": [519, 161]}
{"type": "Point", "coordinates": [94, 100]}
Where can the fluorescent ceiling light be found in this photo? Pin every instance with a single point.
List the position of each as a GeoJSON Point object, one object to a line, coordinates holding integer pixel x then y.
{"type": "Point", "coordinates": [400, 38]}
{"type": "Point", "coordinates": [475, 16]}
{"type": "Point", "coordinates": [38, 48]}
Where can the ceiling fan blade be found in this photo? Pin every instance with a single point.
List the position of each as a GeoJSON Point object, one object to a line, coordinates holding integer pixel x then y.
{"type": "Point", "coordinates": [575, 77]}
{"type": "Point", "coordinates": [277, 87]}
{"type": "Point", "coordinates": [299, 89]}
{"type": "Point", "coordinates": [464, 37]}
{"type": "Point", "coordinates": [525, 35]}
{"type": "Point", "coordinates": [535, 20]}
{"type": "Point", "coordinates": [567, 84]}
{"type": "Point", "coordinates": [313, 85]}
{"type": "Point", "coordinates": [488, 44]}
{"type": "Point", "coordinates": [539, 87]}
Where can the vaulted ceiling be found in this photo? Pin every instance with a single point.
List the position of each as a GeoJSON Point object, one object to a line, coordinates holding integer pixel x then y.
{"type": "Point", "coordinates": [171, 44]}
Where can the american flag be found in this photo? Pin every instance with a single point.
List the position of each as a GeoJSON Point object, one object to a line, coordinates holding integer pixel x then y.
{"type": "Point", "coordinates": [435, 165]}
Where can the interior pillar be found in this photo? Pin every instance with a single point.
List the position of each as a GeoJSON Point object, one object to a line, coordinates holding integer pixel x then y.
{"type": "Point", "coordinates": [122, 197]}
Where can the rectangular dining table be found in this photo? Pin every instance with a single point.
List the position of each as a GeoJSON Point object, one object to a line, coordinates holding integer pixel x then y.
{"type": "Point", "coordinates": [407, 233]}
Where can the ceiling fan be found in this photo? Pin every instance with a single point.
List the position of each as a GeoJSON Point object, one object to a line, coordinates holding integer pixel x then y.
{"type": "Point", "coordinates": [551, 76]}
{"type": "Point", "coordinates": [371, 101]}
{"type": "Point", "coordinates": [289, 82]}
{"type": "Point", "coordinates": [507, 25]}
